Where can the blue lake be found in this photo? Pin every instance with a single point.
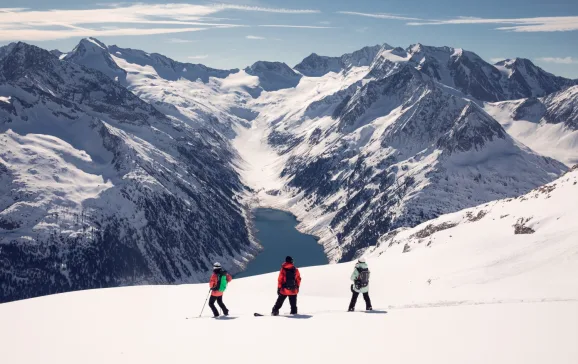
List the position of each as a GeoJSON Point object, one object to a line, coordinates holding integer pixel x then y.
{"type": "Point", "coordinates": [277, 234]}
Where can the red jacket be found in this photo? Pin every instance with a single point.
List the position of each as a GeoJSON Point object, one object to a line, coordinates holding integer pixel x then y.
{"type": "Point", "coordinates": [282, 278]}
{"type": "Point", "coordinates": [213, 284]}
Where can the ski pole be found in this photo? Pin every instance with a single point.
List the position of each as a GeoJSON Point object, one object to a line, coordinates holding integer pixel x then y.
{"type": "Point", "coordinates": [205, 303]}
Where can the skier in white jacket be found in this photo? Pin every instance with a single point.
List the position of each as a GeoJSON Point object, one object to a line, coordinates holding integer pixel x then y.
{"type": "Point", "coordinates": [360, 278]}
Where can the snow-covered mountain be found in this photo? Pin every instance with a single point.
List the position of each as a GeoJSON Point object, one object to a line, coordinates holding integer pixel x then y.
{"type": "Point", "coordinates": [367, 152]}
{"type": "Point", "coordinates": [492, 284]}
{"type": "Point", "coordinates": [167, 68]}
{"type": "Point", "coordinates": [273, 76]}
{"type": "Point", "coordinates": [524, 79]}
{"type": "Point", "coordinates": [454, 67]}
{"type": "Point", "coordinates": [101, 189]}
{"type": "Point", "coordinates": [549, 125]}
{"type": "Point", "coordinates": [467, 72]}
{"type": "Point", "coordinates": [94, 54]}
{"type": "Point", "coordinates": [134, 166]}
{"type": "Point", "coordinates": [316, 65]}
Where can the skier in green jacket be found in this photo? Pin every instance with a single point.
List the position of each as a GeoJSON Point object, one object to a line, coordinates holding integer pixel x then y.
{"type": "Point", "coordinates": [360, 278]}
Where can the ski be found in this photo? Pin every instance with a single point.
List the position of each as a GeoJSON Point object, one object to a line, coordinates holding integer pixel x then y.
{"type": "Point", "coordinates": [297, 316]}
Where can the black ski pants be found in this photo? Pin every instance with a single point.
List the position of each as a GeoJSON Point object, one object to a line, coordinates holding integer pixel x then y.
{"type": "Point", "coordinates": [281, 300]}
{"type": "Point", "coordinates": [354, 300]}
{"type": "Point", "coordinates": [219, 300]}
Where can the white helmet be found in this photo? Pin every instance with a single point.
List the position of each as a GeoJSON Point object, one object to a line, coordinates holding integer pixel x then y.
{"type": "Point", "coordinates": [361, 260]}
{"type": "Point", "coordinates": [217, 265]}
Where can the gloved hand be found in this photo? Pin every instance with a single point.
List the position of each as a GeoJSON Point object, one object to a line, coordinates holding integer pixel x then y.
{"type": "Point", "coordinates": [278, 291]}
{"type": "Point", "coordinates": [352, 288]}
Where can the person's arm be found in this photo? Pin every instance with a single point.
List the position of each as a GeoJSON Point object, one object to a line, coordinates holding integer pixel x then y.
{"type": "Point", "coordinates": [229, 278]}
{"type": "Point", "coordinates": [298, 277]}
{"type": "Point", "coordinates": [355, 274]}
{"type": "Point", "coordinates": [213, 281]}
{"type": "Point", "coordinates": [281, 278]}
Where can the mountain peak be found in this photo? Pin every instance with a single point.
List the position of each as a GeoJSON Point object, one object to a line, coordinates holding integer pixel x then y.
{"type": "Point", "coordinates": [93, 42]}
{"type": "Point", "coordinates": [92, 53]}
{"type": "Point", "coordinates": [274, 76]}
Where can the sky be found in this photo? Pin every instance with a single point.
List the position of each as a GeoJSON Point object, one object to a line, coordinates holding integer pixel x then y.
{"type": "Point", "coordinates": [236, 33]}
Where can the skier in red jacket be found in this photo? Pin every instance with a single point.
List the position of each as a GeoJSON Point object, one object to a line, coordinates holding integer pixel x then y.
{"type": "Point", "coordinates": [288, 285]}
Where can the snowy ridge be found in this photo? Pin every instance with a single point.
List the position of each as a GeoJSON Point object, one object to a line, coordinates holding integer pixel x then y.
{"type": "Point", "coordinates": [456, 294]}
{"type": "Point", "coordinates": [167, 68]}
{"type": "Point", "coordinates": [315, 65]}
{"type": "Point", "coordinates": [470, 74]}
{"type": "Point", "coordinates": [549, 125]}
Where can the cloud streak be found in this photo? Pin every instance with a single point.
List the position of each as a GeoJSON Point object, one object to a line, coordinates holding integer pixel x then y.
{"type": "Point", "coordinates": [255, 37]}
{"type": "Point", "coordinates": [266, 10]}
{"type": "Point", "coordinates": [559, 60]}
{"type": "Point", "coordinates": [378, 15]}
{"type": "Point", "coordinates": [202, 56]}
{"type": "Point", "coordinates": [495, 60]}
{"type": "Point", "coordinates": [120, 20]}
{"type": "Point", "coordinates": [538, 24]}
{"type": "Point", "coordinates": [180, 40]}
{"type": "Point", "coordinates": [294, 26]}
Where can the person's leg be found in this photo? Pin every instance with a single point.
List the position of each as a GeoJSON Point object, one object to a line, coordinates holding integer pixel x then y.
{"type": "Point", "coordinates": [367, 301]}
{"type": "Point", "coordinates": [354, 296]}
{"type": "Point", "coordinates": [293, 303]}
{"type": "Point", "coordinates": [280, 299]}
{"type": "Point", "coordinates": [212, 306]}
{"type": "Point", "coordinates": [222, 305]}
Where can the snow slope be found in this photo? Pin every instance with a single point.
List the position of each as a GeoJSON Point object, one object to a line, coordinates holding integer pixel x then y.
{"type": "Point", "coordinates": [548, 125]}
{"type": "Point", "coordinates": [477, 294]}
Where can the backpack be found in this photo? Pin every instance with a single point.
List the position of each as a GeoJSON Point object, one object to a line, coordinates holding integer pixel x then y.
{"type": "Point", "coordinates": [290, 282]}
{"type": "Point", "coordinates": [362, 279]}
{"type": "Point", "coordinates": [222, 282]}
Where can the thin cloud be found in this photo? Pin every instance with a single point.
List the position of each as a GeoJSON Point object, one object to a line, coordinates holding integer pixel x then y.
{"type": "Point", "coordinates": [294, 26]}
{"type": "Point", "coordinates": [325, 22]}
{"type": "Point", "coordinates": [378, 15]}
{"type": "Point", "coordinates": [202, 56]}
{"type": "Point", "coordinates": [11, 10]}
{"type": "Point", "coordinates": [559, 60]}
{"type": "Point", "coordinates": [266, 10]}
{"type": "Point", "coordinates": [496, 60]}
{"type": "Point", "coordinates": [44, 35]}
{"type": "Point", "coordinates": [255, 37]}
{"type": "Point", "coordinates": [180, 40]}
{"type": "Point", "coordinates": [31, 25]}
{"type": "Point", "coordinates": [538, 24]}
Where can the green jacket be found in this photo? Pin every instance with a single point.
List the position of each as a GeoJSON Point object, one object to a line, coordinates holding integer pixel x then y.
{"type": "Point", "coordinates": [354, 276]}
